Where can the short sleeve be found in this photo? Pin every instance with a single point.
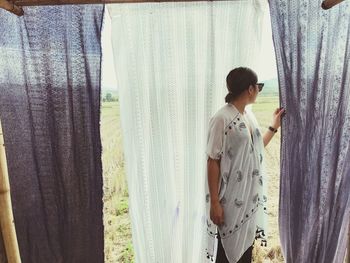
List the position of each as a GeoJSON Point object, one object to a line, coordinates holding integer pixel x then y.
{"type": "Point", "coordinates": [215, 140]}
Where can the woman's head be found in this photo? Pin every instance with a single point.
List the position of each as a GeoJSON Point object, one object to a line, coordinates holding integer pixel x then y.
{"type": "Point", "coordinates": [240, 81]}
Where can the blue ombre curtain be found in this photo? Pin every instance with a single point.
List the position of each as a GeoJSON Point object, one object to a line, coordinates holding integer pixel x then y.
{"type": "Point", "coordinates": [313, 52]}
{"type": "Point", "coordinates": [50, 65]}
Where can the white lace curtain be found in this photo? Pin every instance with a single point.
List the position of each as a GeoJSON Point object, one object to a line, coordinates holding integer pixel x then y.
{"type": "Point", "coordinates": [171, 62]}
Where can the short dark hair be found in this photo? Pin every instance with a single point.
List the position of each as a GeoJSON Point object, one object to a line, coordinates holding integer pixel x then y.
{"type": "Point", "coordinates": [238, 80]}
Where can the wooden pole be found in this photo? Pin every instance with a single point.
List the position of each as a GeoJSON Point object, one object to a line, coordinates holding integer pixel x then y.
{"type": "Point", "coordinates": [326, 4]}
{"type": "Point", "coordinates": [78, 2]}
{"type": "Point", "coordinates": [11, 7]}
{"type": "Point", "coordinates": [348, 249]}
{"type": "Point", "coordinates": [15, 6]}
{"type": "Point", "coordinates": [7, 224]}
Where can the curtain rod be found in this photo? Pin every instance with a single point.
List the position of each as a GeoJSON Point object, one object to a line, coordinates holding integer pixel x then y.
{"type": "Point", "coordinates": [15, 6]}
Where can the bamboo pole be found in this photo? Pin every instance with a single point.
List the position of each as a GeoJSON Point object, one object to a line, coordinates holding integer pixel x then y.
{"type": "Point", "coordinates": [15, 6]}
{"type": "Point", "coordinates": [7, 224]}
{"type": "Point", "coordinates": [11, 7]}
{"type": "Point", "coordinates": [70, 2]}
{"type": "Point", "coordinates": [348, 249]}
{"type": "Point", "coordinates": [326, 4]}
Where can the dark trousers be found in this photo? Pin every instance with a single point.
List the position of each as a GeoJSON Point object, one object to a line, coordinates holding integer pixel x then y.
{"type": "Point", "coordinates": [221, 256]}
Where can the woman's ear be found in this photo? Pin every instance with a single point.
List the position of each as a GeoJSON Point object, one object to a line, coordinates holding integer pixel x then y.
{"type": "Point", "coordinates": [251, 89]}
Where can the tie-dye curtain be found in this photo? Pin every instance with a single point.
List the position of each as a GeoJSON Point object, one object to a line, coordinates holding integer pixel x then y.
{"type": "Point", "coordinates": [171, 63]}
{"type": "Point", "coordinates": [313, 53]}
{"type": "Point", "coordinates": [49, 108]}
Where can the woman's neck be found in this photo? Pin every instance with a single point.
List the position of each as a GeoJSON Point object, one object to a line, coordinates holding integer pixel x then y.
{"type": "Point", "coordinates": [240, 105]}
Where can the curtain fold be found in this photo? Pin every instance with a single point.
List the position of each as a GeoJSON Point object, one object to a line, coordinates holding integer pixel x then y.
{"type": "Point", "coordinates": [171, 62]}
{"type": "Point", "coordinates": [312, 49]}
{"type": "Point", "coordinates": [49, 107]}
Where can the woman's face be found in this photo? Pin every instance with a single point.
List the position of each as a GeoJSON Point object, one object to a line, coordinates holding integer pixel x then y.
{"type": "Point", "coordinates": [253, 92]}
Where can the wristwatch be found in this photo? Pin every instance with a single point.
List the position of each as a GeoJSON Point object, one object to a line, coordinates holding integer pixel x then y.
{"type": "Point", "coordinates": [272, 129]}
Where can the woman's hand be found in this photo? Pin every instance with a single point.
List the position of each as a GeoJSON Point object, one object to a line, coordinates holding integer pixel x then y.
{"type": "Point", "coordinates": [216, 213]}
{"type": "Point", "coordinates": [276, 117]}
{"type": "Point", "coordinates": [276, 123]}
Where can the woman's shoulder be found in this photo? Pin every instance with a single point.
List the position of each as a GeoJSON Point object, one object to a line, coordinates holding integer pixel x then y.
{"type": "Point", "coordinates": [226, 112]}
{"type": "Point", "coordinates": [222, 117]}
{"type": "Point", "coordinates": [223, 111]}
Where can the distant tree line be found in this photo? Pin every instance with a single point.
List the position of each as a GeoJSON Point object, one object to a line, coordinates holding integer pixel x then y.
{"type": "Point", "coordinates": [109, 98]}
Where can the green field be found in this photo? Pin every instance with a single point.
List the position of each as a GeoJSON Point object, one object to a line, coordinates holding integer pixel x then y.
{"type": "Point", "coordinates": [263, 109]}
{"type": "Point", "coordinates": [118, 243]}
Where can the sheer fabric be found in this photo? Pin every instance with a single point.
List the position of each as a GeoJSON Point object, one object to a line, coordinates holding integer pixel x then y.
{"type": "Point", "coordinates": [171, 63]}
{"type": "Point", "coordinates": [313, 52]}
{"type": "Point", "coordinates": [49, 108]}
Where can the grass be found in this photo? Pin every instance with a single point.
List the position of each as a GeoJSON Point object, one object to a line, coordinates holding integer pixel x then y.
{"type": "Point", "coordinates": [122, 206]}
{"type": "Point", "coordinates": [118, 240]}
{"type": "Point", "coordinates": [263, 109]}
{"type": "Point", "coordinates": [118, 244]}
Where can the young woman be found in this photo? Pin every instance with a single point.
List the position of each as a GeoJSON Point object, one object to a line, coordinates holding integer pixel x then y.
{"type": "Point", "coordinates": [236, 200]}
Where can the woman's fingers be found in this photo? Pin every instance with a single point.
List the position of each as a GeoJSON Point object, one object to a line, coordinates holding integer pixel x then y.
{"type": "Point", "coordinates": [218, 219]}
{"type": "Point", "coordinates": [222, 220]}
{"type": "Point", "coordinates": [282, 112]}
{"type": "Point", "coordinates": [279, 111]}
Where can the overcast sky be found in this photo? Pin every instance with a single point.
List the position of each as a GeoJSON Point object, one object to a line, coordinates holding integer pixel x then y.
{"type": "Point", "coordinates": [108, 72]}
{"type": "Point", "coordinates": [265, 72]}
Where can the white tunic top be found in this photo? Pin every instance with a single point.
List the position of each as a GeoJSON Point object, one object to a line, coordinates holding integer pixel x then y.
{"type": "Point", "coordinates": [241, 185]}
